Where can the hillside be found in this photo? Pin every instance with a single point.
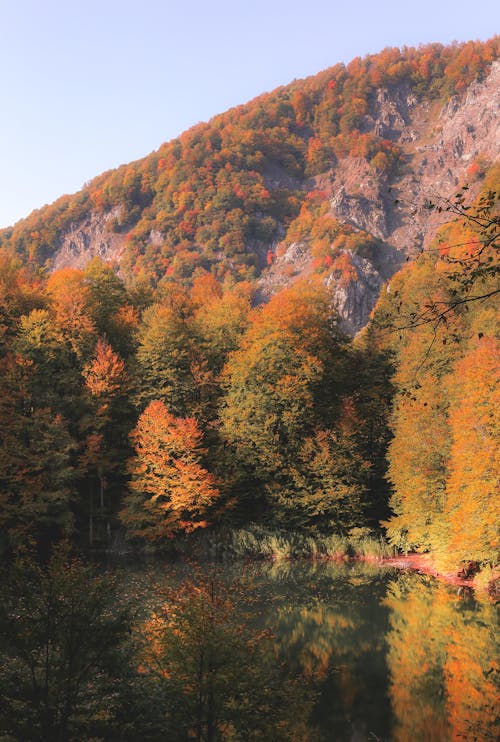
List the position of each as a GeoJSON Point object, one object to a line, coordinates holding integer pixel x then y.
{"type": "Point", "coordinates": [325, 175]}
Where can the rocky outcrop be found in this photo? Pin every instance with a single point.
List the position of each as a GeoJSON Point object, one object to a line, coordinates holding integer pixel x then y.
{"type": "Point", "coordinates": [88, 238]}
{"type": "Point", "coordinates": [438, 144]}
{"type": "Point", "coordinates": [355, 299]}
{"type": "Point", "coordinates": [438, 147]}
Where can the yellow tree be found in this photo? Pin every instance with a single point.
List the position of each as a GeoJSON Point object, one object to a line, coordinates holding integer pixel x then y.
{"type": "Point", "coordinates": [471, 510]}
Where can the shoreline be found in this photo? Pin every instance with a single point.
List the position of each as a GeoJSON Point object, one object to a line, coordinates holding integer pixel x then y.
{"type": "Point", "coordinates": [422, 564]}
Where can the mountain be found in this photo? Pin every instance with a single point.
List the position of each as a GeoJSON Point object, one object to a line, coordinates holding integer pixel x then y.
{"type": "Point", "coordinates": [327, 175]}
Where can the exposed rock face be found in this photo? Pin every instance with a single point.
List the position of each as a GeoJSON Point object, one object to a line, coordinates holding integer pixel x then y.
{"type": "Point", "coordinates": [355, 299]}
{"type": "Point", "coordinates": [439, 145]}
{"type": "Point", "coordinates": [89, 238]}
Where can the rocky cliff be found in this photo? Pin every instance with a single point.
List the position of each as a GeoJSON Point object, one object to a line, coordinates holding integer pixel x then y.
{"type": "Point", "coordinates": [442, 146]}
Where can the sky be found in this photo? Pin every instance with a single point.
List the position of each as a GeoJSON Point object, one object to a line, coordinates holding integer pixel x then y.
{"type": "Point", "coordinates": [87, 85]}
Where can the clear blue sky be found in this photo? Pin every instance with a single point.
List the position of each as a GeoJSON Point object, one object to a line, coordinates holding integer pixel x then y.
{"type": "Point", "coordinates": [86, 85]}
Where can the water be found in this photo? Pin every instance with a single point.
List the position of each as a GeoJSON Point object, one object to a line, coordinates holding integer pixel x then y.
{"type": "Point", "coordinates": [376, 654]}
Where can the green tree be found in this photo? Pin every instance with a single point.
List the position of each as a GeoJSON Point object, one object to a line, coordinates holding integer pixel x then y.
{"type": "Point", "coordinates": [37, 476]}
{"type": "Point", "coordinates": [164, 361]}
{"type": "Point", "coordinates": [283, 412]}
{"type": "Point", "coordinates": [61, 630]}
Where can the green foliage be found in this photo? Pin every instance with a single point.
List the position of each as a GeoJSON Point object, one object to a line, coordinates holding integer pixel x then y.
{"type": "Point", "coordinates": [36, 472]}
{"type": "Point", "coordinates": [61, 631]}
{"type": "Point", "coordinates": [259, 542]}
{"type": "Point", "coordinates": [283, 388]}
{"type": "Point", "coordinates": [164, 359]}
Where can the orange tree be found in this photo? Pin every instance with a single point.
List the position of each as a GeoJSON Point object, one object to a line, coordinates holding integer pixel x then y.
{"type": "Point", "coordinates": [169, 491]}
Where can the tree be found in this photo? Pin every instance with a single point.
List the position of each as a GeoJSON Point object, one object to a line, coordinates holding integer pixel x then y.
{"type": "Point", "coordinates": [107, 296]}
{"type": "Point", "coordinates": [283, 408]}
{"type": "Point", "coordinates": [220, 322]}
{"type": "Point", "coordinates": [440, 459]}
{"type": "Point", "coordinates": [37, 475]}
{"type": "Point", "coordinates": [61, 630]}
{"type": "Point", "coordinates": [328, 480]}
{"type": "Point", "coordinates": [164, 358]}
{"type": "Point", "coordinates": [471, 510]}
{"type": "Point", "coordinates": [106, 385]}
{"type": "Point", "coordinates": [70, 304]}
{"type": "Point", "coordinates": [169, 491]}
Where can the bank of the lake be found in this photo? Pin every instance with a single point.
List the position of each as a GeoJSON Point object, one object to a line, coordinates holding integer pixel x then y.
{"type": "Point", "coordinates": [257, 542]}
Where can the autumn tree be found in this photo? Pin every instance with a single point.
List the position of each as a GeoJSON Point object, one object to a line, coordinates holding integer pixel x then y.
{"type": "Point", "coordinates": [471, 509]}
{"type": "Point", "coordinates": [282, 409]}
{"type": "Point", "coordinates": [439, 319]}
{"type": "Point", "coordinates": [219, 322]}
{"type": "Point", "coordinates": [105, 425]}
{"type": "Point", "coordinates": [69, 298]}
{"type": "Point", "coordinates": [164, 359]}
{"type": "Point", "coordinates": [37, 476]}
{"type": "Point", "coordinates": [169, 491]}
{"type": "Point", "coordinates": [109, 307]}
{"type": "Point", "coordinates": [20, 293]}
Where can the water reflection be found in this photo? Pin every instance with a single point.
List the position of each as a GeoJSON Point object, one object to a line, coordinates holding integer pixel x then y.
{"type": "Point", "coordinates": [287, 651]}
{"type": "Point", "coordinates": [393, 656]}
{"type": "Point", "coordinates": [329, 622]}
{"type": "Point", "coordinates": [443, 662]}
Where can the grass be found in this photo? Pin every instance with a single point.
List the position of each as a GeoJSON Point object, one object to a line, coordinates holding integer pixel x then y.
{"type": "Point", "coordinates": [259, 542]}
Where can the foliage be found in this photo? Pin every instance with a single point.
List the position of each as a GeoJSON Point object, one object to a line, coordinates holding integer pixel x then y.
{"type": "Point", "coordinates": [439, 319]}
{"type": "Point", "coordinates": [36, 475]}
{"type": "Point", "coordinates": [217, 678]}
{"type": "Point", "coordinates": [290, 418]}
{"type": "Point", "coordinates": [216, 195]}
{"type": "Point", "coordinates": [259, 542]}
{"type": "Point", "coordinates": [285, 416]}
{"type": "Point", "coordinates": [61, 631]}
{"type": "Point", "coordinates": [169, 489]}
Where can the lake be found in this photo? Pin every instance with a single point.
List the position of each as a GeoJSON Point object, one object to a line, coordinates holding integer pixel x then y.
{"type": "Point", "coordinates": [370, 653]}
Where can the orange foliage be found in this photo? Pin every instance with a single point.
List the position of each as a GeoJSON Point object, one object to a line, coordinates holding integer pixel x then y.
{"type": "Point", "coordinates": [105, 375]}
{"type": "Point", "coordinates": [474, 480]}
{"type": "Point", "coordinates": [169, 491]}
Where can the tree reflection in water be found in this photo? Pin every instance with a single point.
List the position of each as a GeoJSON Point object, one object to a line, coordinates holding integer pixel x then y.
{"type": "Point", "coordinates": [443, 662]}
{"type": "Point", "coordinates": [391, 656]}
{"type": "Point", "coordinates": [320, 651]}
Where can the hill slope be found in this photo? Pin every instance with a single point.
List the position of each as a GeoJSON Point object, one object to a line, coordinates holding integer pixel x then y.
{"type": "Point", "coordinates": [304, 179]}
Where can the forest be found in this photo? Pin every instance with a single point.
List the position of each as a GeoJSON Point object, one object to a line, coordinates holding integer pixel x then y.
{"type": "Point", "coordinates": [161, 405]}
{"type": "Point", "coordinates": [166, 399]}
{"type": "Point", "coordinates": [219, 197]}
{"type": "Point", "coordinates": [144, 415]}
